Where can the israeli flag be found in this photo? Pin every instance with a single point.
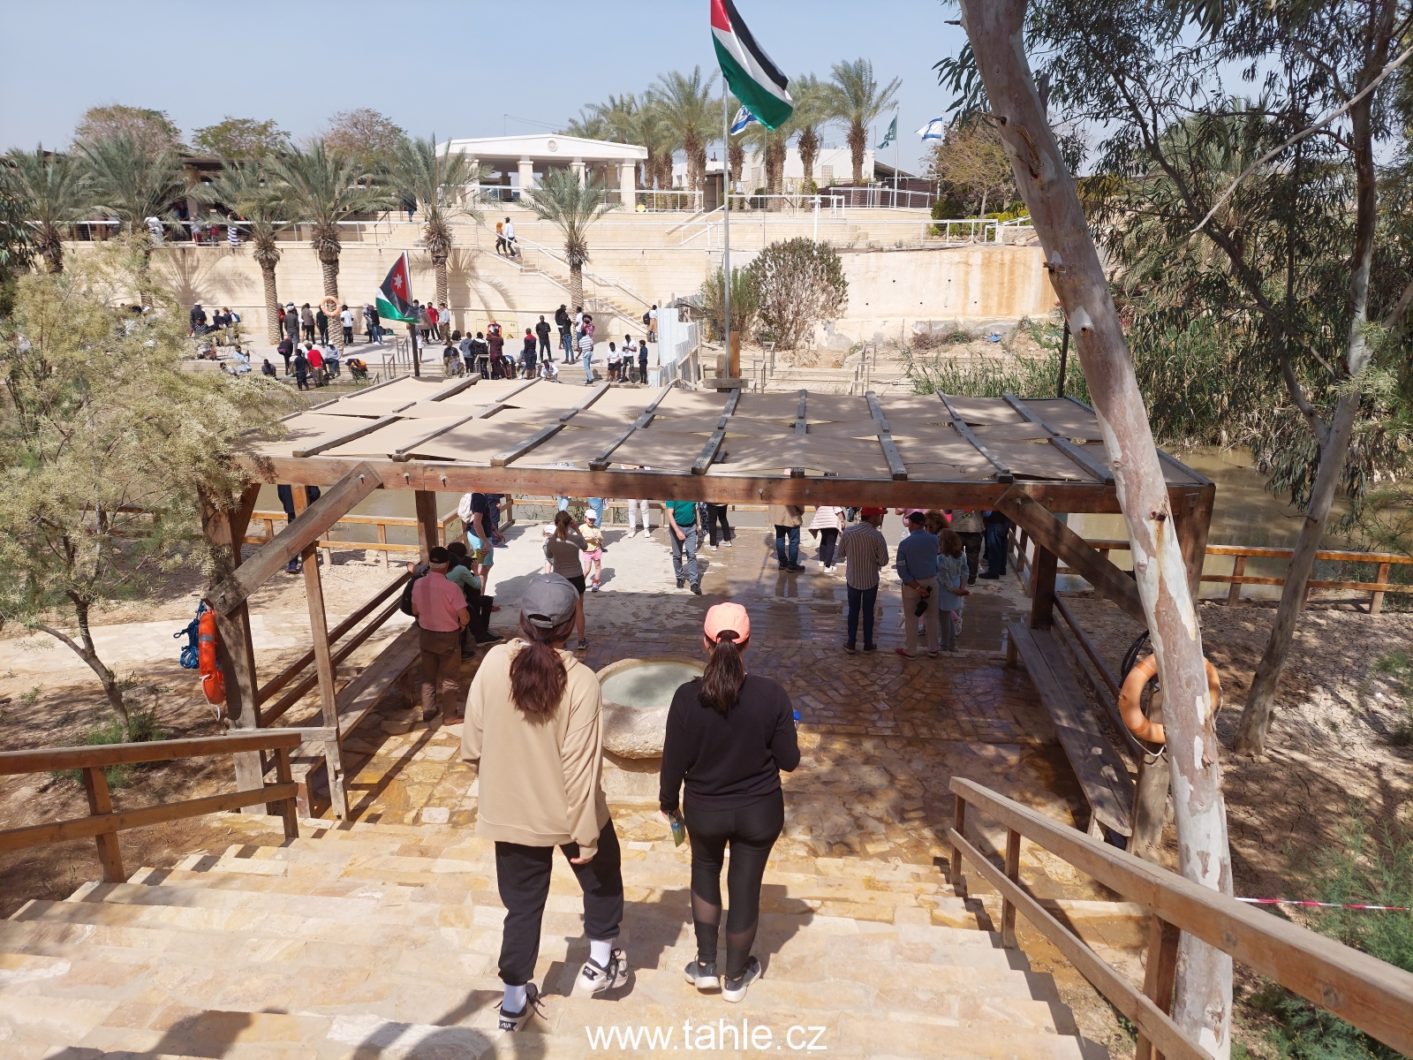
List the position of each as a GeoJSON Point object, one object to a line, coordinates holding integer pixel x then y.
{"type": "Point", "coordinates": [933, 130]}
{"type": "Point", "coordinates": [741, 120]}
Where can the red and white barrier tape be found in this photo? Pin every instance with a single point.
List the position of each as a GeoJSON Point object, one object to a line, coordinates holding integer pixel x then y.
{"type": "Point", "coordinates": [1306, 904]}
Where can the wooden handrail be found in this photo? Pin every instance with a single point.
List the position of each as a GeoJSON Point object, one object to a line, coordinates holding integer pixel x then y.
{"type": "Point", "coordinates": [44, 759]}
{"type": "Point", "coordinates": [103, 823]}
{"type": "Point", "coordinates": [1373, 996]}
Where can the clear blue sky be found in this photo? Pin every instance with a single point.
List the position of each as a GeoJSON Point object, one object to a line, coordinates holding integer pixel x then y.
{"type": "Point", "coordinates": [453, 68]}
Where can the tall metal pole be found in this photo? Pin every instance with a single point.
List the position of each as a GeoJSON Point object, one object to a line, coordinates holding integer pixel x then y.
{"type": "Point", "coordinates": [726, 216]}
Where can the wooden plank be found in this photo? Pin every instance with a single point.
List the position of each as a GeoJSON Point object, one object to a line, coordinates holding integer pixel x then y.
{"type": "Point", "coordinates": [601, 461]}
{"type": "Point", "coordinates": [1374, 996]}
{"type": "Point", "coordinates": [1238, 569]}
{"type": "Point", "coordinates": [544, 433]}
{"type": "Point", "coordinates": [1051, 535]}
{"type": "Point", "coordinates": [1095, 468]}
{"type": "Point", "coordinates": [429, 526]}
{"type": "Point", "coordinates": [288, 808]}
{"type": "Point", "coordinates": [1155, 1024]}
{"type": "Point", "coordinates": [363, 692]}
{"type": "Point", "coordinates": [708, 453]}
{"type": "Point", "coordinates": [896, 467]}
{"type": "Point", "coordinates": [294, 538]}
{"type": "Point", "coordinates": [1042, 588]}
{"type": "Point", "coordinates": [1197, 477]}
{"type": "Point", "coordinates": [1376, 598]}
{"type": "Point", "coordinates": [1159, 976]}
{"type": "Point", "coordinates": [1100, 771]}
{"type": "Point", "coordinates": [1008, 908]}
{"type": "Point", "coordinates": [100, 802]}
{"type": "Point", "coordinates": [353, 434]}
{"type": "Point", "coordinates": [46, 759]}
{"type": "Point", "coordinates": [1194, 522]}
{"type": "Point", "coordinates": [86, 827]}
{"type": "Point", "coordinates": [1002, 472]}
{"type": "Point", "coordinates": [324, 672]}
{"type": "Point", "coordinates": [406, 451]}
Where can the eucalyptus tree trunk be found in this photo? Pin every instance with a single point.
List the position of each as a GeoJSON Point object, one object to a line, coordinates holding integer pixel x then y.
{"type": "Point", "coordinates": [1204, 988]}
{"type": "Point", "coordinates": [1334, 446]}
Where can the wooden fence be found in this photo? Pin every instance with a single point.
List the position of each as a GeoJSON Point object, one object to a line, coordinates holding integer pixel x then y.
{"type": "Point", "coordinates": [1373, 996]}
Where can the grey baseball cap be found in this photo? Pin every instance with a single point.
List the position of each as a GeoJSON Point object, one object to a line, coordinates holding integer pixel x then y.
{"type": "Point", "coordinates": [549, 601]}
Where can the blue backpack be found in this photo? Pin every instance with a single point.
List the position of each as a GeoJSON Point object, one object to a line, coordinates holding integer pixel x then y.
{"type": "Point", "coordinates": [187, 657]}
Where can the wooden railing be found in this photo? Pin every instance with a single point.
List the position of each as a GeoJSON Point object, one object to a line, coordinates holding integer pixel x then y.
{"type": "Point", "coordinates": [271, 523]}
{"type": "Point", "coordinates": [1373, 996]}
{"type": "Point", "coordinates": [103, 823]}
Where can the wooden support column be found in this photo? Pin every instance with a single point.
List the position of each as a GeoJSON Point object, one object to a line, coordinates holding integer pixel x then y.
{"type": "Point", "coordinates": [235, 652]}
{"type": "Point", "coordinates": [428, 529]}
{"type": "Point", "coordinates": [1150, 797]}
{"type": "Point", "coordinates": [1194, 523]}
{"type": "Point", "coordinates": [1042, 599]}
{"type": "Point", "coordinates": [324, 668]}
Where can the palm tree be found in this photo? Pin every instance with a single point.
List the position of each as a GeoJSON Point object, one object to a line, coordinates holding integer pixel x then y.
{"type": "Point", "coordinates": [438, 182]}
{"type": "Point", "coordinates": [56, 191]}
{"type": "Point", "coordinates": [571, 207]}
{"type": "Point", "coordinates": [691, 115]}
{"type": "Point", "coordinates": [811, 110]}
{"type": "Point", "coordinates": [243, 188]}
{"type": "Point", "coordinates": [324, 190]}
{"type": "Point", "coordinates": [134, 183]}
{"type": "Point", "coordinates": [857, 101]}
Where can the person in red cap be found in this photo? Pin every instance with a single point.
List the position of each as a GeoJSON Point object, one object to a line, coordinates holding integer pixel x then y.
{"type": "Point", "coordinates": [729, 734]}
{"type": "Point", "coordinates": [865, 552]}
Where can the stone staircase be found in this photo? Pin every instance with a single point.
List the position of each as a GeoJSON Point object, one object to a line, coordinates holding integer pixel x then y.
{"type": "Point", "coordinates": [381, 939]}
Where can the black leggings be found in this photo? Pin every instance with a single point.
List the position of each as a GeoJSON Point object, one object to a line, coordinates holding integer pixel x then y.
{"type": "Point", "coordinates": [751, 830]}
{"type": "Point", "coordinates": [827, 540]}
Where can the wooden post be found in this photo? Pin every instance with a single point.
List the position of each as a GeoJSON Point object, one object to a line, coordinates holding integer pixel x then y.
{"type": "Point", "coordinates": [383, 541]}
{"type": "Point", "coordinates": [1238, 569]}
{"type": "Point", "coordinates": [1150, 798]}
{"type": "Point", "coordinates": [1159, 976]}
{"type": "Point", "coordinates": [324, 668]}
{"type": "Point", "coordinates": [1194, 522]}
{"type": "Point", "coordinates": [1008, 910]}
{"type": "Point", "coordinates": [959, 824]}
{"type": "Point", "coordinates": [95, 786]}
{"type": "Point", "coordinates": [1042, 603]}
{"type": "Point", "coordinates": [288, 808]}
{"type": "Point", "coordinates": [1376, 599]}
{"type": "Point", "coordinates": [235, 649]}
{"type": "Point", "coordinates": [428, 530]}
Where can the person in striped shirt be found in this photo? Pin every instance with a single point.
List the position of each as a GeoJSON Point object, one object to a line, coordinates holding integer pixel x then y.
{"type": "Point", "coordinates": [865, 552]}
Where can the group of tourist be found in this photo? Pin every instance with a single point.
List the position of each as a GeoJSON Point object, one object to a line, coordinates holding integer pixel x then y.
{"type": "Point", "coordinates": [533, 727]}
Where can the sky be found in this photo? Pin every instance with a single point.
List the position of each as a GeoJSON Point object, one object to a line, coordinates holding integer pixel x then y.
{"type": "Point", "coordinates": [453, 68]}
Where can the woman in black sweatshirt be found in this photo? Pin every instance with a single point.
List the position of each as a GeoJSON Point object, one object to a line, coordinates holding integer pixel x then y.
{"type": "Point", "coordinates": [729, 734]}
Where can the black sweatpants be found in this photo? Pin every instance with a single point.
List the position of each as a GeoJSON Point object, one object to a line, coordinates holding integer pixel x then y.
{"type": "Point", "coordinates": [751, 830]}
{"type": "Point", "coordinates": [523, 878]}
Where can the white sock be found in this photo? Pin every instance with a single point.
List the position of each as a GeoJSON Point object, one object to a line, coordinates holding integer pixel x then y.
{"type": "Point", "coordinates": [514, 998]}
{"type": "Point", "coordinates": [600, 951]}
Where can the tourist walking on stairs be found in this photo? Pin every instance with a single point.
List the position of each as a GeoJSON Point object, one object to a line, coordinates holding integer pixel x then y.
{"type": "Point", "coordinates": [440, 609]}
{"type": "Point", "coordinates": [865, 552]}
{"type": "Point", "coordinates": [729, 734]}
{"type": "Point", "coordinates": [917, 570]}
{"type": "Point", "coordinates": [534, 728]}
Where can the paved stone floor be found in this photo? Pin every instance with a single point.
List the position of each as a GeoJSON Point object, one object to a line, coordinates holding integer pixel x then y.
{"type": "Point", "coordinates": [882, 735]}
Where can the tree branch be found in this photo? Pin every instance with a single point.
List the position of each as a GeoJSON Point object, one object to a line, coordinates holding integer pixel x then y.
{"type": "Point", "coordinates": [1310, 130]}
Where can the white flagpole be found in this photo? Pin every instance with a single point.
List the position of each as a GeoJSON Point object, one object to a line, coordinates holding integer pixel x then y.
{"type": "Point", "coordinates": [726, 216]}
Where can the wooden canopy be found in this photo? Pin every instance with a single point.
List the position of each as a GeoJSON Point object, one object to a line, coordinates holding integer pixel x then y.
{"type": "Point", "coordinates": [538, 437]}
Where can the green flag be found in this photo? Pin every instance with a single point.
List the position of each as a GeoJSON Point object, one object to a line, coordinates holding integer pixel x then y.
{"type": "Point", "coordinates": [890, 134]}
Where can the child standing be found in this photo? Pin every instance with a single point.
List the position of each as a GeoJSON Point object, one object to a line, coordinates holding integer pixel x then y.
{"type": "Point", "coordinates": [630, 354]}
{"type": "Point", "coordinates": [593, 553]}
{"type": "Point", "coordinates": [643, 361]}
{"type": "Point", "coordinates": [951, 586]}
{"type": "Point", "coordinates": [527, 356]}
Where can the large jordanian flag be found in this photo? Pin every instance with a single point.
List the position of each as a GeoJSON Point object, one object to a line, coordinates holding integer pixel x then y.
{"type": "Point", "coordinates": [754, 79]}
{"type": "Point", "coordinates": [395, 295]}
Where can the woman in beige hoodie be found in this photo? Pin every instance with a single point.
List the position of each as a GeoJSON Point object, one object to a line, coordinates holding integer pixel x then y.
{"type": "Point", "coordinates": [534, 728]}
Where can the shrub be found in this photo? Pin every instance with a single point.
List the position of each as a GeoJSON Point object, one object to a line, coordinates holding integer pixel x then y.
{"type": "Point", "coordinates": [744, 304]}
{"type": "Point", "coordinates": [144, 728]}
{"type": "Point", "coordinates": [797, 284]}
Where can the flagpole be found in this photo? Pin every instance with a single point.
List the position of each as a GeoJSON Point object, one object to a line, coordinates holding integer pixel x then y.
{"type": "Point", "coordinates": [726, 217]}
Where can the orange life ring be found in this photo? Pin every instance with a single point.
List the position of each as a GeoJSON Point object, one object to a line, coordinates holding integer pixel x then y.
{"type": "Point", "coordinates": [213, 683]}
{"type": "Point", "coordinates": [329, 304]}
{"type": "Point", "coordinates": [1131, 698]}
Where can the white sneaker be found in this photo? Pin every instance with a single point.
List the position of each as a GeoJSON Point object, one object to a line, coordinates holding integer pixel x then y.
{"type": "Point", "coordinates": [595, 979]}
{"type": "Point", "coordinates": [734, 990]}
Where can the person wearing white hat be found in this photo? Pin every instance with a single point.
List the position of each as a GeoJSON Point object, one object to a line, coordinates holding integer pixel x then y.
{"type": "Point", "coordinates": [534, 729]}
{"type": "Point", "coordinates": [594, 550]}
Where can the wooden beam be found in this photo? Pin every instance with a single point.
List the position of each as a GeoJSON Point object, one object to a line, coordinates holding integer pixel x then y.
{"type": "Point", "coordinates": [1198, 479]}
{"type": "Point", "coordinates": [1194, 522]}
{"type": "Point", "coordinates": [324, 670]}
{"type": "Point", "coordinates": [896, 467]}
{"type": "Point", "coordinates": [47, 759]}
{"type": "Point", "coordinates": [406, 451]}
{"type": "Point", "coordinates": [429, 524]}
{"type": "Point", "coordinates": [1086, 463]}
{"type": "Point", "coordinates": [95, 786]}
{"type": "Point", "coordinates": [518, 450]}
{"type": "Point", "coordinates": [294, 538]}
{"type": "Point", "coordinates": [1054, 538]}
{"type": "Point", "coordinates": [1003, 473]}
{"type": "Point", "coordinates": [600, 462]}
{"type": "Point", "coordinates": [1042, 588]}
{"type": "Point", "coordinates": [709, 451]}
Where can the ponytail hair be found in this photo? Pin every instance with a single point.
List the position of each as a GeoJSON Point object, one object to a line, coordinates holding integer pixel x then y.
{"type": "Point", "coordinates": [725, 673]}
{"type": "Point", "coordinates": [537, 674]}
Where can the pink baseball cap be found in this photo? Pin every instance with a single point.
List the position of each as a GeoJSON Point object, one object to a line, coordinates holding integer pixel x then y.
{"type": "Point", "coordinates": [723, 617]}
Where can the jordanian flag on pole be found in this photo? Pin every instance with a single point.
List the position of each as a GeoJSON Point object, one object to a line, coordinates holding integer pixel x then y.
{"type": "Point", "coordinates": [395, 295]}
{"type": "Point", "coordinates": [752, 77]}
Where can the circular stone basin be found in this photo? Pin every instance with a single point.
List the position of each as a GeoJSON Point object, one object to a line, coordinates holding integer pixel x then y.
{"type": "Point", "coordinates": [636, 695]}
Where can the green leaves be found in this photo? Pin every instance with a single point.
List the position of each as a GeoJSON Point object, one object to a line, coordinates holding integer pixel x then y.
{"type": "Point", "coordinates": [570, 206]}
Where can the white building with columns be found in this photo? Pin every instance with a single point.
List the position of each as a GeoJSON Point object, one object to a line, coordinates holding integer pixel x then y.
{"type": "Point", "coordinates": [511, 163]}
